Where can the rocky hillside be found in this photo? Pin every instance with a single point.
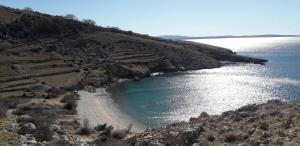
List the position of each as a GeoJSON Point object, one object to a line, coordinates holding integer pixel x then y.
{"type": "Point", "coordinates": [273, 123]}
{"type": "Point", "coordinates": [63, 53]}
{"type": "Point", "coordinates": [44, 58]}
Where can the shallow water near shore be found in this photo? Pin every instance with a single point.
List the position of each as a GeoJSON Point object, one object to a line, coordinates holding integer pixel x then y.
{"type": "Point", "coordinates": [163, 99]}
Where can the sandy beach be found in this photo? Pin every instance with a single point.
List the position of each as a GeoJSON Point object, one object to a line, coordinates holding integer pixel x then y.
{"type": "Point", "coordinates": [99, 108]}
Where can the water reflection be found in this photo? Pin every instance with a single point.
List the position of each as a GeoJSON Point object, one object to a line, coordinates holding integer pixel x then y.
{"type": "Point", "coordinates": [175, 97]}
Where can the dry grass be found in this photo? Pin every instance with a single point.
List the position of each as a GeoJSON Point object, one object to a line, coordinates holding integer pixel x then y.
{"type": "Point", "coordinates": [9, 59]}
{"type": "Point", "coordinates": [14, 83]}
{"type": "Point", "coordinates": [62, 80]}
{"type": "Point", "coordinates": [30, 65]}
{"type": "Point", "coordinates": [5, 95]}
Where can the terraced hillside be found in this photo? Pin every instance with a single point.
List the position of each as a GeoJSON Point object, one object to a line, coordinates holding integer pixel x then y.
{"type": "Point", "coordinates": [30, 74]}
{"type": "Point", "coordinates": [50, 50]}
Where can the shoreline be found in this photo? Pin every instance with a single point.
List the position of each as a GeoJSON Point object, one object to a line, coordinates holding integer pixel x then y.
{"type": "Point", "coordinates": [99, 108]}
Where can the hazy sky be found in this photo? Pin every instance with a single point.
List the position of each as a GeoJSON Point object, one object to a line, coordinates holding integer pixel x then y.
{"type": "Point", "coordinates": [180, 17]}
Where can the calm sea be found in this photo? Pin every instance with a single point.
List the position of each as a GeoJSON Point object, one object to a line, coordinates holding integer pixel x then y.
{"type": "Point", "coordinates": [167, 98]}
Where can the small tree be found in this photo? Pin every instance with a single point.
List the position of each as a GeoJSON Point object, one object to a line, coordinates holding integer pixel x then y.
{"type": "Point", "coordinates": [28, 9]}
{"type": "Point", "coordinates": [89, 21]}
{"type": "Point", "coordinates": [70, 17]}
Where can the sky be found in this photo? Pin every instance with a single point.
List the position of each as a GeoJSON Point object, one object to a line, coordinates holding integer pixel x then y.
{"type": "Point", "coordinates": [179, 17]}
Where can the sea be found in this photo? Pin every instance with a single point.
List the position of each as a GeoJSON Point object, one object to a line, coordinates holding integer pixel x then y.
{"type": "Point", "coordinates": [162, 99]}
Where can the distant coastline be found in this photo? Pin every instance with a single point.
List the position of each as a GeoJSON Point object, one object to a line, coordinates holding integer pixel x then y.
{"type": "Point", "coordinates": [178, 37]}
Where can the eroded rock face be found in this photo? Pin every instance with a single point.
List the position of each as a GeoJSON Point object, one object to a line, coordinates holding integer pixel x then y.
{"type": "Point", "coordinates": [272, 123]}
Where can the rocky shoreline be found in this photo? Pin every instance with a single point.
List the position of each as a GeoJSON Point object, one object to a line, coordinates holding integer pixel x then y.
{"type": "Point", "coordinates": [272, 123]}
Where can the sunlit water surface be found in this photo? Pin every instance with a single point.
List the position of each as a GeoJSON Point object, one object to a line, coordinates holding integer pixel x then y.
{"type": "Point", "coordinates": [163, 99]}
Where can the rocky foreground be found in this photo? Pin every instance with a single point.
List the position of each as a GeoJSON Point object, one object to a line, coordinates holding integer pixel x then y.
{"type": "Point", "coordinates": [272, 123]}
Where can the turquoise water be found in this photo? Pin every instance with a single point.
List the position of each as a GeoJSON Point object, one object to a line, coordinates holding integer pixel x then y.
{"type": "Point", "coordinates": [173, 97]}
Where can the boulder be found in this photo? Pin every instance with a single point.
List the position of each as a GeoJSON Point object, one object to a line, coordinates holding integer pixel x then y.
{"type": "Point", "coordinates": [90, 89]}
{"type": "Point", "coordinates": [40, 88]}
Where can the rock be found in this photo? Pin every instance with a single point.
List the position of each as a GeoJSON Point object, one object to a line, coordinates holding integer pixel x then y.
{"type": "Point", "coordinates": [292, 135]}
{"type": "Point", "coordinates": [243, 114]}
{"type": "Point", "coordinates": [281, 133]}
{"type": "Point", "coordinates": [211, 138]}
{"type": "Point", "coordinates": [287, 123]}
{"type": "Point", "coordinates": [265, 135]}
{"type": "Point", "coordinates": [90, 89]}
{"type": "Point", "coordinates": [264, 126]}
{"type": "Point", "coordinates": [251, 131]}
{"type": "Point", "coordinates": [136, 79]}
{"type": "Point", "coordinates": [30, 126]}
{"type": "Point", "coordinates": [30, 142]}
{"type": "Point", "coordinates": [40, 88]}
{"type": "Point", "coordinates": [266, 141]}
{"type": "Point", "coordinates": [274, 112]}
{"type": "Point", "coordinates": [230, 138]}
{"type": "Point", "coordinates": [279, 141]}
{"type": "Point", "coordinates": [27, 128]}
{"type": "Point", "coordinates": [249, 108]}
{"type": "Point", "coordinates": [203, 115]}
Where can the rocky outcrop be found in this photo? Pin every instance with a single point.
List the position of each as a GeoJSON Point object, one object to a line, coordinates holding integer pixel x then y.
{"type": "Point", "coordinates": [272, 123]}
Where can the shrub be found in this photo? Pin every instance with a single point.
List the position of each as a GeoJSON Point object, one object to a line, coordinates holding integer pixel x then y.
{"type": "Point", "coordinates": [120, 134]}
{"type": "Point", "coordinates": [21, 110]}
{"type": "Point", "coordinates": [89, 21]}
{"type": "Point", "coordinates": [100, 127]}
{"type": "Point", "coordinates": [43, 134]}
{"type": "Point", "coordinates": [70, 105]}
{"type": "Point", "coordinates": [28, 9]}
{"type": "Point", "coordinates": [107, 131]}
{"type": "Point", "coordinates": [3, 111]}
{"type": "Point", "coordinates": [70, 97]}
{"type": "Point", "coordinates": [230, 138]}
{"type": "Point", "coordinates": [70, 17]}
{"type": "Point", "coordinates": [12, 102]}
{"type": "Point", "coordinates": [85, 130]}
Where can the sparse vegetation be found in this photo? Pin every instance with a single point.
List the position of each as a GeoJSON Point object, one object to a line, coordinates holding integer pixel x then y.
{"type": "Point", "coordinates": [70, 97]}
{"type": "Point", "coordinates": [28, 9]}
{"type": "Point", "coordinates": [108, 131]}
{"type": "Point", "coordinates": [89, 21]}
{"type": "Point", "coordinates": [85, 129]}
{"type": "Point", "coordinates": [70, 17]}
{"type": "Point", "coordinates": [43, 134]}
{"type": "Point", "coordinates": [3, 111]}
{"type": "Point", "coordinates": [70, 105]}
{"type": "Point", "coordinates": [101, 127]}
